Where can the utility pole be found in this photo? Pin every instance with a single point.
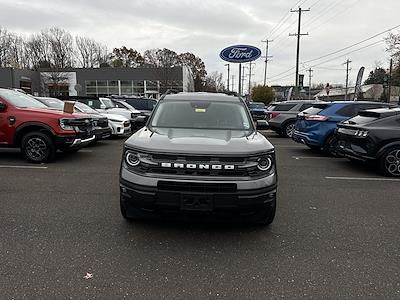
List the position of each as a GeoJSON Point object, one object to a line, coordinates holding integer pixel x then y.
{"type": "Point", "coordinates": [233, 83]}
{"type": "Point", "coordinates": [227, 65]}
{"type": "Point", "coordinates": [347, 63]}
{"type": "Point", "coordinates": [298, 35]}
{"type": "Point", "coordinates": [390, 79]}
{"type": "Point", "coordinates": [310, 71]}
{"type": "Point", "coordinates": [250, 74]}
{"type": "Point", "coordinates": [266, 58]}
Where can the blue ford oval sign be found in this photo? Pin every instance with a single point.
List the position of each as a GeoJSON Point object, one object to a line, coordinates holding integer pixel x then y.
{"type": "Point", "coordinates": [240, 53]}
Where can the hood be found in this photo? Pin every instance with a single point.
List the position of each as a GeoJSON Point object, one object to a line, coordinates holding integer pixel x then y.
{"type": "Point", "coordinates": [199, 141]}
{"type": "Point", "coordinates": [115, 117]}
{"type": "Point", "coordinates": [54, 112]}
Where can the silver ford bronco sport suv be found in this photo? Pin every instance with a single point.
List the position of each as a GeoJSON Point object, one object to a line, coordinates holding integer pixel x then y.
{"type": "Point", "coordinates": [200, 155]}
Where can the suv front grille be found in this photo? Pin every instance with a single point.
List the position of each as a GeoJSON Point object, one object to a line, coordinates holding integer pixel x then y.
{"type": "Point", "coordinates": [243, 167]}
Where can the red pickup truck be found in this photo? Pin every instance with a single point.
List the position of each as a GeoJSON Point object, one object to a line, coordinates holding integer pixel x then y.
{"type": "Point", "coordinates": [38, 131]}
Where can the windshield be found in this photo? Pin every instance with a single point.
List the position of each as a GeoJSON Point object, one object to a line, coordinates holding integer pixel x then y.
{"type": "Point", "coordinates": [108, 103]}
{"type": "Point", "coordinates": [197, 115]}
{"type": "Point", "coordinates": [21, 100]}
{"type": "Point", "coordinates": [256, 106]}
{"type": "Point", "coordinates": [53, 103]}
{"type": "Point", "coordinates": [85, 108]}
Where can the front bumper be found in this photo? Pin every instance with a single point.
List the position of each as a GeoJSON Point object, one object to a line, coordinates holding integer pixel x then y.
{"type": "Point", "coordinates": [160, 196]}
{"type": "Point", "coordinates": [102, 133]}
{"type": "Point", "coordinates": [73, 141]}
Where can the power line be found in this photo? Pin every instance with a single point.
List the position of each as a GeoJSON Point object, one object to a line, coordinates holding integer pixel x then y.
{"type": "Point", "coordinates": [321, 13]}
{"type": "Point", "coordinates": [314, 66]}
{"type": "Point", "coordinates": [315, 3]}
{"type": "Point", "coordinates": [324, 23]}
{"type": "Point", "coordinates": [351, 46]}
{"type": "Point", "coordinates": [356, 50]}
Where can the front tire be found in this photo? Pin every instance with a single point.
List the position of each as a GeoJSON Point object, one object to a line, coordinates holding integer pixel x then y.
{"type": "Point", "coordinates": [38, 147]}
{"type": "Point", "coordinates": [389, 162]}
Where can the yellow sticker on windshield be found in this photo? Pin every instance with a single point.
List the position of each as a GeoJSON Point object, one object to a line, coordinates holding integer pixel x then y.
{"type": "Point", "coordinates": [200, 110]}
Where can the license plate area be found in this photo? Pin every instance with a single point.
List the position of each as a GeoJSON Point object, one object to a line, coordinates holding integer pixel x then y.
{"type": "Point", "coordinates": [197, 202]}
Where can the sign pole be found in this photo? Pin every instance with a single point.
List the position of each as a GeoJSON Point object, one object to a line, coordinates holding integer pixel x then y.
{"type": "Point", "coordinates": [240, 78]}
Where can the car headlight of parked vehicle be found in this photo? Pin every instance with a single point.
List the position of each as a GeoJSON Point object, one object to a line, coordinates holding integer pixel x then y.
{"type": "Point", "coordinates": [65, 124]}
{"type": "Point", "coordinates": [265, 163]}
{"type": "Point", "coordinates": [132, 158]}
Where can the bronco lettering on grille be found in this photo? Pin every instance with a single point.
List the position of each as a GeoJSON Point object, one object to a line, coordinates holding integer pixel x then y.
{"type": "Point", "coordinates": [197, 166]}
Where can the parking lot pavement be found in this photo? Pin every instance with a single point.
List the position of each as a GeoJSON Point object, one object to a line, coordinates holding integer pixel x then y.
{"type": "Point", "coordinates": [336, 235]}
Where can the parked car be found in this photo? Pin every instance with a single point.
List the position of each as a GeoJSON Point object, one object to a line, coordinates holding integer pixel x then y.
{"type": "Point", "coordinates": [140, 119]}
{"type": "Point", "coordinates": [119, 125]}
{"type": "Point", "coordinates": [144, 105]}
{"type": "Point", "coordinates": [199, 155]}
{"type": "Point", "coordinates": [282, 116]}
{"type": "Point", "coordinates": [315, 126]}
{"type": "Point", "coordinates": [373, 135]}
{"type": "Point", "coordinates": [106, 106]}
{"type": "Point", "coordinates": [102, 130]}
{"type": "Point", "coordinates": [257, 110]}
{"type": "Point", "coordinates": [38, 131]}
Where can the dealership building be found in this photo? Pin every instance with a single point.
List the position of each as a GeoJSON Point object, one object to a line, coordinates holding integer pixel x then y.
{"type": "Point", "coordinates": [143, 81]}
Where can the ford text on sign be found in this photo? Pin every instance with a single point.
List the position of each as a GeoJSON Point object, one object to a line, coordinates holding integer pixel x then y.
{"type": "Point", "coordinates": [240, 53]}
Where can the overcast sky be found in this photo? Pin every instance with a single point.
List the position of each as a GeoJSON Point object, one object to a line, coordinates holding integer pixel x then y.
{"type": "Point", "coordinates": [205, 27]}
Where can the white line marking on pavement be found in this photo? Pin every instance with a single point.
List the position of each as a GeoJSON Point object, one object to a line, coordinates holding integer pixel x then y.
{"type": "Point", "coordinates": [362, 178]}
{"type": "Point", "coordinates": [21, 167]}
{"type": "Point", "coordinates": [85, 151]}
{"type": "Point", "coordinates": [312, 157]}
{"type": "Point", "coordinates": [289, 147]}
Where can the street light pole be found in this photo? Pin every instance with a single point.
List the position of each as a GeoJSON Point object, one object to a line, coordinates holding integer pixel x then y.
{"type": "Point", "coordinates": [240, 79]}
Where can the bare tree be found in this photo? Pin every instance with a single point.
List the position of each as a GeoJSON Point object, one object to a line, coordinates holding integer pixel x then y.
{"type": "Point", "coordinates": [214, 83]}
{"type": "Point", "coordinates": [393, 46]}
{"type": "Point", "coordinates": [38, 51]}
{"type": "Point", "coordinates": [61, 47]}
{"type": "Point", "coordinates": [90, 53]}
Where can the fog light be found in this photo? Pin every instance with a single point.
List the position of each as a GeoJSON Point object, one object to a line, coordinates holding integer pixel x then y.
{"type": "Point", "coordinates": [132, 159]}
{"type": "Point", "coordinates": [264, 163]}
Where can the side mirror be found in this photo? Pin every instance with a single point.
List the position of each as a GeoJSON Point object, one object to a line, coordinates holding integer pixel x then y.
{"type": "Point", "coordinates": [262, 125]}
{"type": "Point", "coordinates": [102, 106]}
{"type": "Point", "coordinates": [3, 106]}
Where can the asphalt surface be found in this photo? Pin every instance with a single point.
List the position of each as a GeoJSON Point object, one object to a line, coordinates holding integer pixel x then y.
{"type": "Point", "coordinates": [336, 235]}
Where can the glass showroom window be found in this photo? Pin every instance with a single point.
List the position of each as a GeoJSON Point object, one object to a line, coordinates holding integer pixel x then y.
{"type": "Point", "coordinates": [91, 87]}
{"type": "Point", "coordinates": [126, 87]}
{"type": "Point", "coordinates": [102, 88]}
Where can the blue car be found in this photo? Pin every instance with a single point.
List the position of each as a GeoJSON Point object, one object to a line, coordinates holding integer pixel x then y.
{"type": "Point", "coordinates": [315, 126]}
{"type": "Point", "coordinates": [257, 110]}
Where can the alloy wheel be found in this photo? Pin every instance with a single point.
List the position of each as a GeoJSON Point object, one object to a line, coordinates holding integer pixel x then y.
{"type": "Point", "coordinates": [36, 148]}
{"type": "Point", "coordinates": [289, 129]}
{"type": "Point", "coordinates": [392, 162]}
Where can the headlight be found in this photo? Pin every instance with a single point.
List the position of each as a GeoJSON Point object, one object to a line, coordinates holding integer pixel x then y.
{"type": "Point", "coordinates": [64, 124]}
{"type": "Point", "coordinates": [132, 158]}
{"type": "Point", "coordinates": [264, 163]}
